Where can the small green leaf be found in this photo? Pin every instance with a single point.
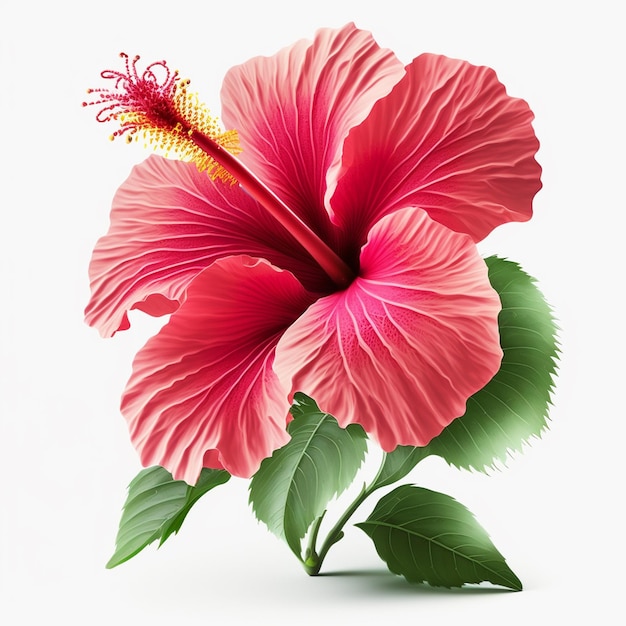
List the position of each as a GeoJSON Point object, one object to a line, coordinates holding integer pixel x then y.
{"type": "Point", "coordinates": [156, 507]}
{"type": "Point", "coordinates": [293, 487]}
{"type": "Point", "coordinates": [397, 465]}
{"type": "Point", "coordinates": [513, 407]}
{"type": "Point", "coordinates": [429, 537]}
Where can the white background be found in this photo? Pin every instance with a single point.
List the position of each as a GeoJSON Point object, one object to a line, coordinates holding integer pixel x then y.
{"type": "Point", "coordinates": [64, 450]}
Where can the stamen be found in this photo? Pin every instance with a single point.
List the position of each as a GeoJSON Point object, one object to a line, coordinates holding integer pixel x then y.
{"type": "Point", "coordinates": [158, 106]}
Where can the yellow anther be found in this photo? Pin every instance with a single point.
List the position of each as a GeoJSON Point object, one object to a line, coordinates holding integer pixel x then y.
{"type": "Point", "coordinates": [164, 113]}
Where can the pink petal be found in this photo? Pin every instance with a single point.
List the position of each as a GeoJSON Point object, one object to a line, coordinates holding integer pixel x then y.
{"type": "Point", "coordinates": [203, 390]}
{"type": "Point", "coordinates": [293, 110]}
{"type": "Point", "coordinates": [447, 139]}
{"type": "Point", "coordinates": [402, 349]}
{"type": "Point", "coordinates": [168, 223]}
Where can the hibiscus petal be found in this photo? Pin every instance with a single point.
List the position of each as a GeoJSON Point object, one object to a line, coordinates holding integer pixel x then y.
{"type": "Point", "coordinates": [447, 139]}
{"type": "Point", "coordinates": [203, 390]}
{"type": "Point", "coordinates": [293, 110]}
{"type": "Point", "coordinates": [414, 336]}
{"type": "Point", "coordinates": [168, 223]}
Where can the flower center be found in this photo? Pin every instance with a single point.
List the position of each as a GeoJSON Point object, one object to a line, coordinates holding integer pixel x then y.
{"type": "Point", "coordinates": [157, 105]}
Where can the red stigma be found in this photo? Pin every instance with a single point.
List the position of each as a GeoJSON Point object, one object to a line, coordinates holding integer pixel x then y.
{"type": "Point", "coordinates": [137, 100]}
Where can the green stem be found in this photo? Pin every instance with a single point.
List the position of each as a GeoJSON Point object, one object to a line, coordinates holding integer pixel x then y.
{"type": "Point", "coordinates": [313, 560]}
{"type": "Point", "coordinates": [310, 555]}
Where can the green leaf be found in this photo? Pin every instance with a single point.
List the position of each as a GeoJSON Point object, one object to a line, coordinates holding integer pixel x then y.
{"type": "Point", "coordinates": [397, 465]}
{"type": "Point", "coordinates": [156, 507]}
{"type": "Point", "coordinates": [429, 537]}
{"type": "Point", "coordinates": [513, 407]}
{"type": "Point", "coordinates": [293, 487]}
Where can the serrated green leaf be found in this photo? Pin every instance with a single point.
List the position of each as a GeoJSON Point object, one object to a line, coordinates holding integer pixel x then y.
{"type": "Point", "coordinates": [429, 537]}
{"type": "Point", "coordinates": [513, 407]}
{"type": "Point", "coordinates": [156, 507]}
{"type": "Point", "coordinates": [293, 487]}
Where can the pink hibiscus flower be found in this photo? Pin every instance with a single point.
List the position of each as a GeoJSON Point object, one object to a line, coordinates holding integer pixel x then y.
{"type": "Point", "coordinates": [361, 286]}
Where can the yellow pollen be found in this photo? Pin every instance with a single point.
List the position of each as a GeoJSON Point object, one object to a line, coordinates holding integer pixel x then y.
{"type": "Point", "coordinates": [157, 106]}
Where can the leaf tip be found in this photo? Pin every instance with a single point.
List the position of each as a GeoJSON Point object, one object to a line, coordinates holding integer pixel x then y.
{"type": "Point", "coordinates": [516, 583]}
{"type": "Point", "coordinates": [112, 562]}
